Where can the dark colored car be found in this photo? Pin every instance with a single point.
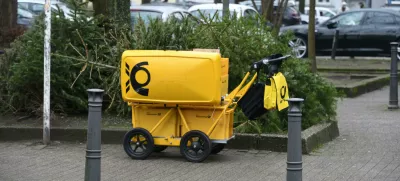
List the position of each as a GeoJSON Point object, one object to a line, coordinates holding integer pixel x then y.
{"type": "Point", "coordinates": [291, 16]}
{"type": "Point", "coordinates": [363, 32]}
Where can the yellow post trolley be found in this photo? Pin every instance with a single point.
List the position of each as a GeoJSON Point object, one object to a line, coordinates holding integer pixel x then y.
{"type": "Point", "coordinates": [180, 98]}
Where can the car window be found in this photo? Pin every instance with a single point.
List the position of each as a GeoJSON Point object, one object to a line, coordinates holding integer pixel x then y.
{"type": "Point", "coordinates": [380, 18]}
{"type": "Point", "coordinates": [209, 13]}
{"type": "Point", "coordinates": [23, 6]}
{"type": "Point", "coordinates": [177, 16]}
{"type": "Point", "coordinates": [22, 13]}
{"type": "Point", "coordinates": [250, 13]}
{"type": "Point", "coordinates": [327, 13]}
{"type": "Point", "coordinates": [145, 16]}
{"type": "Point", "coordinates": [37, 8]}
{"type": "Point", "coordinates": [291, 11]}
{"type": "Point", "coordinates": [349, 19]}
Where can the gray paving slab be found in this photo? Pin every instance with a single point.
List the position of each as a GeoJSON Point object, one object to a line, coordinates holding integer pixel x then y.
{"type": "Point", "coordinates": [367, 149]}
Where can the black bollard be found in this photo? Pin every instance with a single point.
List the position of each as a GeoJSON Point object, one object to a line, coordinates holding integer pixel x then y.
{"type": "Point", "coordinates": [335, 44]}
{"type": "Point", "coordinates": [393, 94]}
{"type": "Point", "coordinates": [93, 145]}
{"type": "Point", "coordinates": [294, 150]}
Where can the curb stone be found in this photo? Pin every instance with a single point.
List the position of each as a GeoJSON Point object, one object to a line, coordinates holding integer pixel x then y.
{"type": "Point", "coordinates": [365, 86]}
{"type": "Point", "coordinates": [311, 137]}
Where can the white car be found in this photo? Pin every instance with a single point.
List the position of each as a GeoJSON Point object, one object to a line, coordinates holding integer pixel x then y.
{"type": "Point", "coordinates": [321, 14]}
{"type": "Point", "coordinates": [25, 17]}
{"type": "Point", "coordinates": [146, 12]}
{"type": "Point", "coordinates": [305, 19]}
{"type": "Point", "coordinates": [208, 10]}
{"type": "Point", "coordinates": [37, 6]}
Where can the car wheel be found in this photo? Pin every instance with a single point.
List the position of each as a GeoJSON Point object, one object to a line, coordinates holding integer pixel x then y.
{"type": "Point", "coordinates": [299, 47]}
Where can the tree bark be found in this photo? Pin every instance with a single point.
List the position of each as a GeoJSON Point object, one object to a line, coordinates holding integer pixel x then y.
{"type": "Point", "coordinates": [8, 13]}
{"type": "Point", "coordinates": [311, 37]}
{"type": "Point", "coordinates": [266, 9]}
{"type": "Point", "coordinates": [280, 17]}
{"type": "Point", "coordinates": [8, 21]}
{"type": "Point", "coordinates": [302, 4]}
{"type": "Point", "coordinates": [100, 7]}
{"type": "Point", "coordinates": [118, 10]}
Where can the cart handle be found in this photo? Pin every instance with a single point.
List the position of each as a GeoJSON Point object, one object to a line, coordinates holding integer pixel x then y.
{"type": "Point", "coordinates": [273, 59]}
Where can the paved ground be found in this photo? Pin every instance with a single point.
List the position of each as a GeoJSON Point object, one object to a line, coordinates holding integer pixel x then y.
{"type": "Point", "coordinates": [368, 149]}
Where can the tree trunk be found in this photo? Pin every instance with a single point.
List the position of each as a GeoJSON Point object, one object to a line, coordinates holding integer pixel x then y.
{"type": "Point", "coordinates": [8, 21]}
{"type": "Point", "coordinates": [311, 36]}
{"type": "Point", "coordinates": [118, 10]}
{"type": "Point", "coordinates": [100, 7]}
{"type": "Point", "coordinates": [123, 12]}
{"type": "Point", "coordinates": [280, 17]}
{"type": "Point", "coordinates": [266, 9]}
{"type": "Point", "coordinates": [8, 13]}
{"type": "Point", "coordinates": [302, 4]}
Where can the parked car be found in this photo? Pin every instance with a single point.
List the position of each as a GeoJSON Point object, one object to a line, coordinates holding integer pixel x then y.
{"type": "Point", "coordinates": [321, 14]}
{"type": "Point", "coordinates": [361, 32]}
{"type": "Point", "coordinates": [37, 6]}
{"type": "Point", "coordinates": [396, 8]}
{"type": "Point", "coordinates": [291, 16]}
{"type": "Point", "coordinates": [25, 17]}
{"type": "Point", "coordinates": [209, 10]}
{"type": "Point", "coordinates": [305, 19]}
{"type": "Point", "coordinates": [163, 12]}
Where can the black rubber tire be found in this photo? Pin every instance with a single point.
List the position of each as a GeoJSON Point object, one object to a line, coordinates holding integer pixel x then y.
{"type": "Point", "coordinates": [205, 146]}
{"type": "Point", "coordinates": [216, 148]}
{"type": "Point", "coordinates": [149, 146]}
{"type": "Point", "coordinates": [158, 149]}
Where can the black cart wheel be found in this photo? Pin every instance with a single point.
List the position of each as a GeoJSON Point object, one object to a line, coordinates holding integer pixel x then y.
{"type": "Point", "coordinates": [158, 149]}
{"type": "Point", "coordinates": [195, 146]}
{"type": "Point", "coordinates": [217, 148]}
{"type": "Point", "coordinates": [138, 143]}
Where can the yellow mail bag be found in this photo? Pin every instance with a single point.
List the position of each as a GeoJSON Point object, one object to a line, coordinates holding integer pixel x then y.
{"type": "Point", "coordinates": [270, 95]}
{"type": "Point", "coordinates": [282, 91]}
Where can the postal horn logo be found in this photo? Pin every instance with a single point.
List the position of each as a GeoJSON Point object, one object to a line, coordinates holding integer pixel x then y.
{"type": "Point", "coordinates": [138, 87]}
{"type": "Point", "coordinates": [283, 93]}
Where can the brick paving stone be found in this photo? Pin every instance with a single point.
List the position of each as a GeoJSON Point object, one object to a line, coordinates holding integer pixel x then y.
{"type": "Point", "coordinates": [367, 149]}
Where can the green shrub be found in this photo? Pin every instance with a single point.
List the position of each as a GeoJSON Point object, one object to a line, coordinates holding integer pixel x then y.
{"type": "Point", "coordinates": [86, 55]}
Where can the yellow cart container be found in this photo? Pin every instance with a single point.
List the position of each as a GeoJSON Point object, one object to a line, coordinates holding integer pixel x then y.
{"type": "Point", "coordinates": [179, 98]}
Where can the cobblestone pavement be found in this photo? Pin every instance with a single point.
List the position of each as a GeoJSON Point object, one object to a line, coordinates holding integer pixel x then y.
{"type": "Point", "coordinates": [368, 149]}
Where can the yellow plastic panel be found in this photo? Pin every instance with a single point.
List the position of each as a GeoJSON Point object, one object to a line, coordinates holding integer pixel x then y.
{"type": "Point", "coordinates": [224, 84]}
{"type": "Point", "coordinates": [224, 66]}
{"type": "Point", "coordinates": [175, 77]}
{"type": "Point", "coordinates": [202, 119]}
{"type": "Point", "coordinates": [148, 117]}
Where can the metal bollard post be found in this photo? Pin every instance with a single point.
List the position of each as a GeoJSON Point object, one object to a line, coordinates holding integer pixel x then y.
{"type": "Point", "coordinates": [93, 145]}
{"type": "Point", "coordinates": [334, 44]}
{"type": "Point", "coordinates": [294, 150]}
{"type": "Point", "coordinates": [393, 94]}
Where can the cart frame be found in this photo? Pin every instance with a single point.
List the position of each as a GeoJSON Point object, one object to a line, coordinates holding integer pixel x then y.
{"type": "Point", "coordinates": [175, 120]}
